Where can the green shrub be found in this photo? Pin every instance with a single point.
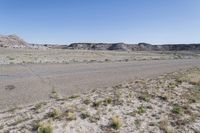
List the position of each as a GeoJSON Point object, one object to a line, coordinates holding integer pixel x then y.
{"type": "Point", "coordinates": [176, 109]}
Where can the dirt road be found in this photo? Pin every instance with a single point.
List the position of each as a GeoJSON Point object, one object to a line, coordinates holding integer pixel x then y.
{"type": "Point", "coordinates": [25, 84]}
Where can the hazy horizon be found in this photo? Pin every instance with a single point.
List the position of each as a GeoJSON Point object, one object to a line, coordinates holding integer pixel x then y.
{"type": "Point", "coordinates": [105, 21]}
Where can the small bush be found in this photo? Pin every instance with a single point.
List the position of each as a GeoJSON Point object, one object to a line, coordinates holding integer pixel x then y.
{"type": "Point", "coordinates": [39, 105]}
{"type": "Point", "coordinates": [108, 100]}
{"type": "Point", "coordinates": [71, 116]}
{"type": "Point", "coordinates": [44, 128]}
{"type": "Point", "coordinates": [55, 113]}
{"type": "Point", "coordinates": [176, 109]}
{"type": "Point", "coordinates": [141, 110]}
{"type": "Point", "coordinates": [116, 122]}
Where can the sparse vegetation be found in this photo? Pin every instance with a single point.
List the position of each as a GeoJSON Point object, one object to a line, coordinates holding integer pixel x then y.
{"type": "Point", "coordinates": [70, 115]}
{"type": "Point", "coordinates": [55, 113]}
{"type": "Point", "coordinates": [177, 109]}
{"type": "Point", "coordinates": [144, 108]}
{"type": "Point", "coordinates": [39, 105]}
{"type": "Point", "coordinates": [73, 96]}
{"type": "Point", "coordinates": [44, 128]}
{"type": "Point", "coordinates": [145, 97]}
{"type": "Point", "coordinates": [141, 109]}
{"type": "Point", "coordinates": [116, 122]}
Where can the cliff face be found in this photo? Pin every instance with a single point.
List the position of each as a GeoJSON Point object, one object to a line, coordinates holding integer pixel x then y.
{"type": "Point", "coordinates": [12, 41]}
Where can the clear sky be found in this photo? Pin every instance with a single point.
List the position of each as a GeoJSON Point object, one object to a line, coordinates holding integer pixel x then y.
{"type": "Point", "coordinates": [129, 21]}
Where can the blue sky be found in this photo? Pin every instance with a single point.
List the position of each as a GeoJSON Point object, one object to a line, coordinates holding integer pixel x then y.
{"type": "Point", "coordinates": [129, 21]}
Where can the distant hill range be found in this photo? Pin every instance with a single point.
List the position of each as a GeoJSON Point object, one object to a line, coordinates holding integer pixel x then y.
{"type": "Point", "coordinates": [13, 41]}
{"type": "Point", "coordinates": [129, 47]}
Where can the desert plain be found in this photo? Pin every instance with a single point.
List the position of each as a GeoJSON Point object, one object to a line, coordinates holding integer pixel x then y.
{"type": "Point", "coordinates": [84, 91]}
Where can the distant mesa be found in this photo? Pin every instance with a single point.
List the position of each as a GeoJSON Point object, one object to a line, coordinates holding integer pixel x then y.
{"type": "Point", "coordinates": [13, 41]}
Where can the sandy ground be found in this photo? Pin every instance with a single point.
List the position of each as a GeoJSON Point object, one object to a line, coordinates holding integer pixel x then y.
{"type": "Point", "coordinates": [18, 56]}
{"type": "Point", "coordinates": [24, 84]}
{"type": "Point", "coordinates": [166, 104]}
{"type": "Point", "coordinates": [98, 91]}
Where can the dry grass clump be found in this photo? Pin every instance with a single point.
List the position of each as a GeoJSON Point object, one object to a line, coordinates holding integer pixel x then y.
{"type": "Point", "coordinates": [39, 105]}
{"type": "Point", "coordinates": [55, 113]}
{"type": "Point", "coordinates": [116, 122]}
{"type": "Point", "coordinates": [107, 101]}
{"type": "Point", "coordinates": [44, 128]}
{"type": "Point", "coordinates": [70, 115]}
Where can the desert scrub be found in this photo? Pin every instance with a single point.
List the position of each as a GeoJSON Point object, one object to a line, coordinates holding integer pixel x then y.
{"type": "Point", "coordinates": [44, 128]}
{"type": "Point", "coordinates": [39, 105]}
{"type": "Point", "coordinates": [177, 109]}
{"type": "Point", "coordinates": [107, 101]}
{"type": "Point", "coordinates": [70, 115]}
{"type": "Point", "coordinates": [116, 122]}
{"type": "Point", "coordinates": [141, 109]}
{"type": "Point", "coordinates": [145, 97]}
{"type": "Point", "coordinates": [55, 113]}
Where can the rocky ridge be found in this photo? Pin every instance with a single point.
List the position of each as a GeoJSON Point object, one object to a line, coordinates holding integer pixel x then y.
{"type": "Point", "coordinates": [13, 41]}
